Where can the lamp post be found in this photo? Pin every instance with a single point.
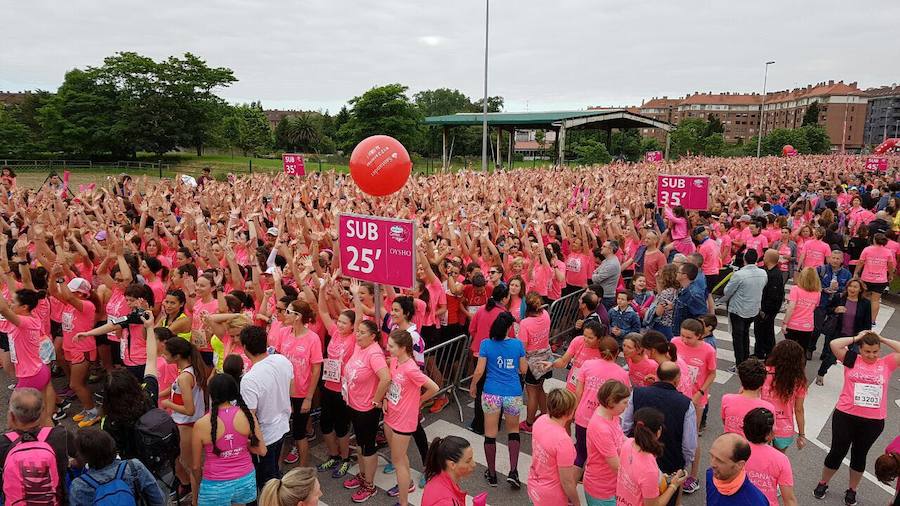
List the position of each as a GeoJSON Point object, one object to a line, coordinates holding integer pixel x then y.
{"type": "Point", "coordinates": [484, 122]}
{"type": "Point", "coordinates": [762, 110]}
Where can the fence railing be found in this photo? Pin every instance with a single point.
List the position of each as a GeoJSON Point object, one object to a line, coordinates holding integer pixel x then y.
{"type": "Point", "coordinates": [563, 315]}
{"type": "Point", "coordinates": [447, 362]}
{"type": "Point", "coordinates": [45, 164]}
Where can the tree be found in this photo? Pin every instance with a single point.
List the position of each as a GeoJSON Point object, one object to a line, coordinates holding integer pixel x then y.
{"type": "Point", "coordinates": [650, 144]}
{"type": "Point", "coordinates": [440, 102]}
{"type": "Point", "coordinates": [591, 152]}
{"type": "Point", "coordinates": [687, 138]}
{"type": "Point", "coordinates": [817, 139]}
{"type": "Point", "coordinates": [774, 141]}
{"type": "Point", "coordinates": [495, 104]}
{"type": "Point", "coordinates": [713, 126]}
{"type": "Point", "coordinates": [13, 134]}
{"type": "Point", "coordinates": [382, 110]}
{"type": "Point", "coordinates": [811, 117]}
{"type": "Point", "coordinates": [304, 133]}
{"type": "Point", "coordinates": [627, 144]}
{"type": "Point", "coordinates": [247, 128]}
{"type": "Point", "coordinates": [281, 134]}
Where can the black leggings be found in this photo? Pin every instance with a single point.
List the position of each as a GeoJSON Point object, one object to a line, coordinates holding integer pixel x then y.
{"type": "Point", "coordinates": [365, 425]}
{"type": "Point", "coordinates": [854, 434]}
{"type": "Point", "coordinates": [335, 413]}
{"type": "Point", "coordinates": [803, 338]}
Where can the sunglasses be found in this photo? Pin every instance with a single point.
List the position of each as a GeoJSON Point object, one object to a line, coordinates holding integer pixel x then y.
{"type": "Point", "coordinates": [493, 272]}
{"type": "Point", "coordinates": [280, 309]}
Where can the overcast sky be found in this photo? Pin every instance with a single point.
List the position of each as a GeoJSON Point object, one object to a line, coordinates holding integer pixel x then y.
{"type": "Point", "coordinates": [544, 55]}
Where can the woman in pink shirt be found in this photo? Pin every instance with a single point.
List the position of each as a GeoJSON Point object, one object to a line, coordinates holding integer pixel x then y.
{"type": "Point", "coordinates": [861, 409]}
{"type": "Point", "coordinates": [199, 304]}
{"type": "Point", "coordinates": [876, 267]}
{"type": "Point", "coordinates": [304, 349]}
{"type": "Point", "coordinates": [593, 374]}
{"type": "Point", "coordinates": [401, 408]}
{"type": "Point", "coordinates": [450, 459]}
{"type": "Point", "coordinates": [581, 349]}
{"type": "Point", "coordinates": [221, 444]}
{"type": "Point", "coordinates": [678, 225]}
{"type": "Point", "coordinates": [638, 480]}
{"type": "Point", "coordinates": [767, 468]}
{"type": "Point", "coordinates": [752, 373]}
{"type": "Point", "coordinates": [802, 301]}
{"type": "Point", "coordinates": [785, 388]}
{"type": "Point", "coordinates": [579, 266]}
{"type": "Point", "coordinates": [641, 369]}
{"type": "Point", "coordinates": [604, 440]}
{"type": "Point", "coordinates": [534, 332]}
{"type": "Point", "coordinates": [553, 476]}
{"type": "Point", "coordinates": [661, 350]}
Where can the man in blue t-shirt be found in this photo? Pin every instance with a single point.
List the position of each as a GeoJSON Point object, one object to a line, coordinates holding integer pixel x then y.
{"type": "Point", "coordinates": [726, 481]}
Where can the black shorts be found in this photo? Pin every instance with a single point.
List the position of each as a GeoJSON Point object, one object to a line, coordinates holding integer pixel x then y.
{"type": "Point", "coordinates": [102, 339]}
{"type": "Point", "coordinates": [115, 352]}
{"type": "Point", "coordinates": [335, 413]}
{"type": "Point", "coordinates": [298, 419]}
{"type": "Point", "coordinates": [876, 287]}
{"type": "Point", "coordinates": [4, 341]}
{"type": "Point", "coordinates": [431, 335]}
{"type": "Point", "coordinates": [365, 425]}
{"type": "Point", "coordinates": [55, 329]}
{"type": "Point", "coordinates": [531, 380]}
{"type": "Point", "coordinates": [136, 370]}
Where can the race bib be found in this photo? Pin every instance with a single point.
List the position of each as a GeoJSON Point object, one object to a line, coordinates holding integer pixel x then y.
{"type": "Point", "coordinates": [12, 351]}
{"type": "Point", "coordinates": [331, 370]}
{"type": "Point", "coordinates": [393, 394]}
{"type": "Point", "coordinates": [46, 351]}
{"type": "Point", "coordinates": [123, 346]}
{"type": "Point", "coordinates": [573, 378]}
{"type": "Point", "coordinates": [694, 373]}
{"type": "Point", "coordinates": [198, 337]}
{"type": "Point", "coordinates": [867, 395]}
{"type": "Point", "coordinates": [68, 322]}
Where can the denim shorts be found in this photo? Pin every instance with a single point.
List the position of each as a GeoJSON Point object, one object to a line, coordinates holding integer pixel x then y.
{"type": "Point", "coordinates": [511, 405]}
{"type": "Point", "coordinates": [226, 492]}
{"type": "Point", "coordinates": [593, 501]}
{"type": "Point", "coordinates": [783, 442]}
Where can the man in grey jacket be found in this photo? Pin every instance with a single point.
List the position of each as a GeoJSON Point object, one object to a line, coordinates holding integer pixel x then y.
{"type": "Point", "coordinates": [607, 272]}
{"type": "Point", "coordinates": [743, 295]}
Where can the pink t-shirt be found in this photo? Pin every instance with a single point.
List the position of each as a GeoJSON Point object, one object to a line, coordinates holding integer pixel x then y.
{"type": "Point", "coordinates": [712, 261]}
{"type": "Point", "coordinates": [133, 348]}
{"type": "Point", "coordinates": [638, 477]}
{"type": "Point", "coordinates": [158, 289]}
{"type": "Point", "coordinates": [580, 355]}
{"type": "Point", "coordinates": [736, 406]}
{"type": "Point", "coordinates": [685, 385]}
{"type": "Point", "coordinates": [360, 379]}
{"type": "Point", "coordinates": [303, 352]}
{"type": "Point", "coordinates": [701, 362]}
{"type": "Point", "coordinates": [604, 440]}
{"type": "Point", "coordinates": [116, 307]}
{"type": "Point", "coordinates": [166, 375]}
{"type": "Point", "coordinates": [879, 261]}
{"type": "Point", "coordinates": [784, 410]}
{"type": "Point", "coordinates": [768, 469]}
{"type": "Point", "coordinates": [759, 243]}
{"type": "Point", "coordinates": [638, 371]}
{"type": "Point", "coordinates": [339, 350]}
{"type": "Point", "coordinates": [864, 393]}
{"type": "Point", "coordinates": [74, 322]}
{"type": "Point", "coordinates": [551, 449]}
{"type": "Point", "coordinates": [480, 326]}
{"type": "Point", "coordinates": [403, 396]}
{"type": "Point", "coordinates": [540, 279]}
{"type": "Point", "coordinates": [816, 252]}
{"type": "Point", "coordinates": [534, 331]}
{"type": "Point", "coordinates": [24, 346]}
{"type": "Point", "coordinates": [436, 297]}
{"type": "Point", "coordinates": [579, 267]}
{"type": "Point", "coordinates": [805, 303]}
{"type": "Point", "coordinates": [200, 310]}
{"type": "Point", "coordinates": [556, 285]}
{"type": "Point", "coordinates": [593, 374]}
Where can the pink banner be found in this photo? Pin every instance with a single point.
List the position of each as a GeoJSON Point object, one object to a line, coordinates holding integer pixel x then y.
{"type": "Point", "coordinates": [378, 250]}
{"type": "Point", "coordinates": [293, 164]}
{"type": "Point", "coordinates": [653, 156]}
{"type": "Point", "coordinates": [690, 192]}
{"type": "Point", "coordinates": [876, 164]}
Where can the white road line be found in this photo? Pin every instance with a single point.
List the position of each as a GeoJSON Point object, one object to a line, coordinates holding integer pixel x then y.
{"type": "Point", "coordinates": [866, 474]}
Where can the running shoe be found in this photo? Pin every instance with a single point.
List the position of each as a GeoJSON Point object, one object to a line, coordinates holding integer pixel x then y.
{"type": "Point", "coordinates": [354, 482]}
{"type": "Point", "coordinates": [850, 497]}
{"type": "Point", "coordinates": [380, 439]}
{"type": "Point", "coordinates": [691, 485]}
{"type": "Point", "coordinates": [422, 481]}
{"type": "Point", "coordinates": [439, 405]}
{"type": "Point", "coordinates": [80, 416]}
{"type": "Point", "coordinates": [90, 418]}
{"type": "Point", "coordinates": [292, 457]}
{"type": "Point", "coordinates": [395, 490]}
{"type": "Point", "coordinates": [342, 469]}
{"type": "Point", "coordinates": [329, 464]}
{"type": "Point", "coordinates": [491, 478]}
{"type": "Point", "coordinates": [389, 469]}
{"type": "Point", "coordinates": [64, 404]}
{"type": "Point", "coordinates": [525, 427]}
{"type": "Point", "coordinates": [364, 493]}
{"type": "Point", "coordinates": [819, 492]}
{"type": "Point", "coordinates": [513, 480]}
{"type": "Point", "coordinates": [59, 415]}
{"type": "Point", "coordinates": [67, 392]}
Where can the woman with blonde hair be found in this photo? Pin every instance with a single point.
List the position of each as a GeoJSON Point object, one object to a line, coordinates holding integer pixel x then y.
{"type": "Point", "coordinates": [802, 301]}
{"type": "Point", "coordinates": [299, 487]}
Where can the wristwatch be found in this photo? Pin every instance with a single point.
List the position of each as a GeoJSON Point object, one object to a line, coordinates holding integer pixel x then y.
{"type": "Point", "coordinates": [701, 392]}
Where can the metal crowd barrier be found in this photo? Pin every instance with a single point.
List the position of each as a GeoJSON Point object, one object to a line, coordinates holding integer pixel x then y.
{"type": "Point", "coordinates": [450, 360]}
{"type": "Point", "coordinates": [563, 315]}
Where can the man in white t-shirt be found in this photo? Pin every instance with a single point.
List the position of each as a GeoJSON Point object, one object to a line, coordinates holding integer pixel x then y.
{"type": "Point", "coordinates": [266, 391]}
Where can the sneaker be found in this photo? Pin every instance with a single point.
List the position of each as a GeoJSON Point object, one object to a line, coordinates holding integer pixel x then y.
{"type": "Point", "coordinates": [850, 497]}
{"type": "Point", "coordinates": [341, 470]}
{"type": "Point", "coordinates": [59, 415]}
{"type": "Point", "coordinates": [389, 468]}
{"type": "Point", "coordinates": [395, 490]}
{"type": "Point", "coordinates": [98, 397]}
{"type": "Point", "coordinates": [422, 481]}
{"type": "Point", "coordinates": [819, 492]}
{"type": "Point", "coordinates": [11, 387]}
{"type": "Point", "coordinates": [513, 480]}
{"type": "Point", "coordinates": [691, 485]}
{"type": "Point", "coordinates": [439, 405]}
{"type": "Point", "coordinates": [89, 419]}
{"type": "Point", "coordinates": [809, 355]}
{"type": "Point", "coordinates": [354, 482]}
{"type": "Point", "coordinates": [732, 369]}
{"type": "Point", "coordinates": [491, 479]}
{"type": "Point", "coordinates": [472, 428]}
{"type": "Point", "coordinates": [64, 404]}
{"type": "Point", "coordinates": [525, 427]}
{"type": "Point", "coordinates": [820, 380]}
{"type": "Point", "coordinates": [80, 416]}
{"type": "Point", "coordinates": [292, 457]}
{"type": "Point", "coordinates": [331, 463]}
{"type": "Point", "coordinates": [380, 440]}
{"type": "Point", "coordinates": [364, 493]}
{"type": "Point", "coordinates": [701, 429]}
{"type": "Point", "coordinates": [67, 392]}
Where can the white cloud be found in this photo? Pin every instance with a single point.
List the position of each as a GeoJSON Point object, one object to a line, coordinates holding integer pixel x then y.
{"type": "Point", "coordinates": [431, 40]}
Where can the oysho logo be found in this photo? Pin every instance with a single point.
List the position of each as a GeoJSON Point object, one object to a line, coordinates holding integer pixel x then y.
{"type": "Point", "coordinates": [398, 233]}
{"type": "Point", "coordinates": [698, 183]}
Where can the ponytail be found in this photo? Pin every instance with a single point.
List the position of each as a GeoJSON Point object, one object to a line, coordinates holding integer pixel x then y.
{"type": "Point", "coordinates": [293, 488]}
{"type": "Point", "coordinates": [499, 293]}
{"type": "Point", "coordinates": [609, 348]}
{"type": "Point", "coordinates": [647, 423]}
{"type": "Point", "coordinates": [441, 450]}
{"type": "Point", "coordinates": [654, 340]}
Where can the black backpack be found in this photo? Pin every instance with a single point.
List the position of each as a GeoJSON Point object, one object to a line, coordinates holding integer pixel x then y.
{"type": "Point", "coordinates": [158, 442]}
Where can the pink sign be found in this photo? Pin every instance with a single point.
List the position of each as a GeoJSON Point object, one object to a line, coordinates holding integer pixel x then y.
{"type": "Point", "coordinates": [653, 156]}
{"type": "Point", "coordinates": [876, 164]}
{"type": "Point", "coordinates": [690, 192]}
{"type": "Point", "coordinates": [293, 164]}
{"type": "Point", "coordinates": [378, 250]}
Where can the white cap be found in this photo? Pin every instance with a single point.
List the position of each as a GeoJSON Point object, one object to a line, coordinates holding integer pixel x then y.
{"type": "Point", "coordinates": [273, 231]}
{"type": "Point", "coordinates": [80, 285]}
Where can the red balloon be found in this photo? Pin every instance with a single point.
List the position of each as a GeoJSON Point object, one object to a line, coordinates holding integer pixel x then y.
{"type": "Point", "coordinates": [787, 149]}
{"type": "Point", "coordinates": [380, 165]}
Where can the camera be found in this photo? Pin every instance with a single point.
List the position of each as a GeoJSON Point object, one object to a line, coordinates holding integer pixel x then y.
{"type": "Point", "coordinates": [649, 205]}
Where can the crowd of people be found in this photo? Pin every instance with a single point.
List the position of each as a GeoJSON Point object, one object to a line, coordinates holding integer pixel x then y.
{"type": "Point", "coordinates": [208, 328]}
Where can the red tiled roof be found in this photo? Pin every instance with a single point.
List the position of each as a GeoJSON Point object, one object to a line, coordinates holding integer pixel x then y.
{"type": "Point", "coordinates": [722, 99]}
{"type": "Point", "coordinates": [532, 145]}
{"type": "Point", "coordinates": [661, 103]}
